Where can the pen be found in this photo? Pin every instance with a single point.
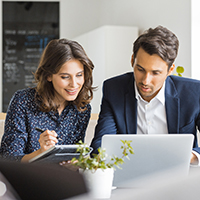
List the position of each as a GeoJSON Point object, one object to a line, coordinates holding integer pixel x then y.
{"type": "Point", "coordinates": [41, 131]}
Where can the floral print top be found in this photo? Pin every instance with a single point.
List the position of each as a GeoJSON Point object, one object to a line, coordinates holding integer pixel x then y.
{"type": "Point", "coordinates": [23, 116]}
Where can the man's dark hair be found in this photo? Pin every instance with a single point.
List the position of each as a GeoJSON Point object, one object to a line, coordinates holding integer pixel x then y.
{"type": "Point", "coordinates": [158, 41]}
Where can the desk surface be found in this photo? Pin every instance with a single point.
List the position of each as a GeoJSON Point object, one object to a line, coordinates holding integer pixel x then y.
{"type": "Point", "coordinates": [171, 187]}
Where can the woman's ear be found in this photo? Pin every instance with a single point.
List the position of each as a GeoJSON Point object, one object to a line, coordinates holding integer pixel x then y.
{"type": "Point", "coordinates": [49, 78]}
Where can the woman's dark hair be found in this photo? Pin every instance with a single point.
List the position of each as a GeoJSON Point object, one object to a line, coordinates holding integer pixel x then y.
{"type": "Point", "coordinates": [158, 41]}
{"type": "Point", "coordinates": [56, 53]}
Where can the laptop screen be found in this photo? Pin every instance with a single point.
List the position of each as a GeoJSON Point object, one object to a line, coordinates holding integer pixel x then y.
{"type": "Point", "coordinates": [152, 154]}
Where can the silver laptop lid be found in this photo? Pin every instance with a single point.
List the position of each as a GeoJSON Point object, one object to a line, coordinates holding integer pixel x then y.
{"type": "Point", "coordinates": [152, 154]}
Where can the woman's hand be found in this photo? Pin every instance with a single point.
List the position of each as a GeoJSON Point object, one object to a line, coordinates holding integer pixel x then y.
{"type": "Point", "coordinates": [47, 139]}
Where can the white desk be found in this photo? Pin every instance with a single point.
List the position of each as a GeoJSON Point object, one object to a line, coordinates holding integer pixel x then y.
{"type": "Point", "coordinates": [170, 188]}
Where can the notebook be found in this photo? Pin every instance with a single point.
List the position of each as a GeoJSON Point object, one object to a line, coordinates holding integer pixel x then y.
{"type": "Point", "coordinates": [58, 153]}
{"type": "Point", "coordinates": [152, 154]}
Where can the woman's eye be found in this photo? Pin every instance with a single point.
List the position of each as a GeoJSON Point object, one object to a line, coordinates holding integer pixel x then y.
{"type": "Point", "coordinates": [64, 77]}
{"type": "Point", "coordinates": [79, 75]}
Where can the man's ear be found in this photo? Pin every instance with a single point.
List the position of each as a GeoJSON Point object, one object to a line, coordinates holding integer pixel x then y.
{"type": "Point", "coordinates": [132, 60]}
{"type": "Point", "coordinates": [171, 69]}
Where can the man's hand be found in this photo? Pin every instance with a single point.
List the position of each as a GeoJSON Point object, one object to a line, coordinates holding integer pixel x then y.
{"type": "Point", "coordinates": [194, 159]}
{"type": "Point", "coordinates": [69, 165]}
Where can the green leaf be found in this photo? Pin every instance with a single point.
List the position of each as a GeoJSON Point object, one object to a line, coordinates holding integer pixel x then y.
{"type": "Point", "coordinates": [179, 70]}
{"type": "Point", "coordinates": [99, 160]}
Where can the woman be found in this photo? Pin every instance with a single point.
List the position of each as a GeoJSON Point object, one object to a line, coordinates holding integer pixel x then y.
{"type": "Point", "coordinates": [58, 105]}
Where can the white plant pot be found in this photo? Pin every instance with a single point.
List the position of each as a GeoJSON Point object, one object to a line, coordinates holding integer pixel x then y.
{"type": "Point", "coordinates": [99, 182]}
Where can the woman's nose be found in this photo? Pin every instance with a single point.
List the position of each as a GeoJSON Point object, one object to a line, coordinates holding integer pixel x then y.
{"type": "Point", "coordinates": [73, 82]}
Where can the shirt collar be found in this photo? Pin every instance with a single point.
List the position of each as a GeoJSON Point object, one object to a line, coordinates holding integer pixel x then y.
{"type": "Point", "coordinates": [160, 96]}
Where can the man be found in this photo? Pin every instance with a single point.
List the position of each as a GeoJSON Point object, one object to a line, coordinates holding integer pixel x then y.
{"type": "Point", "coordinates": [149, 101]}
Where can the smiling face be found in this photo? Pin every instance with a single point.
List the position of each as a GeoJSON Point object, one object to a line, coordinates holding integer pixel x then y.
{"type": "Point", "coordinates": [150, 72]}
{"type": "Point", "coordinates": [68, 81]}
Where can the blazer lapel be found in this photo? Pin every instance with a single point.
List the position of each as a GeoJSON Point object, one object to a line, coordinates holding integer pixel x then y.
{"type": "Point", "coordinates": [172, 105]}
{"type": "Point", "coordinates": [131, 109]}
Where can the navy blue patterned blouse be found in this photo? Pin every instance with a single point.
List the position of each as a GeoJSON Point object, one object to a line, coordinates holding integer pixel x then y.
{"type": "Point", "coordinates": [23, 116]}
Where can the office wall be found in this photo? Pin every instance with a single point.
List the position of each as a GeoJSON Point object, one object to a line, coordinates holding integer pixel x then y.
{"type": "Point", "coordinates": [110, 49]}
{"type": "Point", "coordinates": [85, 15]}
{"type": "Point", "coordinates": [195, 39]}
{"type": "Point", "coordinates": [80, 16]}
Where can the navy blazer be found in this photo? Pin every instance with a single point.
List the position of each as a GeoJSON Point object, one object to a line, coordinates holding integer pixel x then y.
{"type": "Point", "coordinates": [119, 107]}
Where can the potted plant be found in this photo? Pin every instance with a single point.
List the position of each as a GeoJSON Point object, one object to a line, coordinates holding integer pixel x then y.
{"type": "Point", "coordinates": [98, 169]}
{"type": "Point", "coordinates": [179, 70]}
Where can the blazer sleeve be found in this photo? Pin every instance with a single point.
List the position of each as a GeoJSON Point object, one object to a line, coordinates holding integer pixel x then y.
{"type": "Point", "coordinates": [106, 122]}
{"type": "Point", "coordinates": [197, 135]}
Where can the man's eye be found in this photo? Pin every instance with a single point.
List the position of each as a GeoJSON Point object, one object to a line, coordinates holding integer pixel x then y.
{"type": "Point", "coordinates": [140, 69]}
{"type": "Point", "coordinates": [156, 73]}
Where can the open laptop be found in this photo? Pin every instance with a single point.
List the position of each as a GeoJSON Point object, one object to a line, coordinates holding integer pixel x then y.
{"type": "Point", "coordinates": [152, 154]}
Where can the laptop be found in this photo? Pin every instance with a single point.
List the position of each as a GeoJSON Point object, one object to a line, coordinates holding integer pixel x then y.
{"type": "Point", "coordinates": [152, 154]}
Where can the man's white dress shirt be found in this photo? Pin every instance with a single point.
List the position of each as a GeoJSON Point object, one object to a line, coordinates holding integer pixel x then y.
{"type": "Point", "coordinates": [151, 116]}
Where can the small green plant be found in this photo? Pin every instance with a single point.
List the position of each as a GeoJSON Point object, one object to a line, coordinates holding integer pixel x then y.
{"type": "Point", "coordinates": [99, 160]}
{"type": "Point", "coordinates": [179, 70]}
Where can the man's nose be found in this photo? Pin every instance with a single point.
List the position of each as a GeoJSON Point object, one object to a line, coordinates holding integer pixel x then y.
{"type": "Point", "coordinates": [146, 79]}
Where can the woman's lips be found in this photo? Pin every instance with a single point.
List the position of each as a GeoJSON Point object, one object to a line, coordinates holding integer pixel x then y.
{"type": "Point", "coordinates": [72, 92]}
